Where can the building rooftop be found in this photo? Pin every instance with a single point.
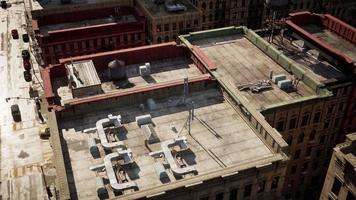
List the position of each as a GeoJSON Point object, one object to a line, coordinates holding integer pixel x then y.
{"type": "Point", "coordinates": [332, 39]}
{"type": "Point", "coordinates": [59, 22]}
{"type": "Point", "coordinates": [219, 138]}
{"type": "Point", "coordinates": [86, 23]}
{"type": "Point", "coordinates": [159, 10]}
{"type": "Point", "coordinates": [329, 35]}
{"type": "Point", "coordinates": [309, 60]}
{"type": "Point", "coordinates": [240, 62]}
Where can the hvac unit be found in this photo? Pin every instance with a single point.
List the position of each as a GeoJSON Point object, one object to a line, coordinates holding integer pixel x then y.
{"type": "Point", "coordinates": [285, 84]}
{"type": "Point", "coordinates": [278, 78]}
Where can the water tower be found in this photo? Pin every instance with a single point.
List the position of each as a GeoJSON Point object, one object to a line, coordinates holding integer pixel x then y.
{"type": "Point", "coordinates": [275, 12]}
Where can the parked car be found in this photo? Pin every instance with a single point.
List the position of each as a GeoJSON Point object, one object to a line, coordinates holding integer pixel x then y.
{"type": "Point", "coordinates": [25, 54]}
{"type": "Point", "coordinates": [4, 4]}
{"type": "Point", "coordinates": [25, 37]}
{"type": "Point", "coordinates": [15, 112]}
{"type": "Point", "coordinates": [45, 132]}
{"type": "Point", "coordinates": [26, 64]}
{"type": "Point", "coordinates": [15, 34]}
{"type": "Point", "coordinates": [27, 75]}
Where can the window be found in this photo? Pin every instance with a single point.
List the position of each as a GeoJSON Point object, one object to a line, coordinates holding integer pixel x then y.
{"type": "Point", "coordinates": [195, 22]}
{"type": "Point", "coordinates": [247, 191]}
{"type": "Point", "coordinates": [243, 3]}
{"type": "Point", "coordinates": [337, 122]}
{"type": "Point", "coordinates": [345, 91]}
{"type": "Point", "coordinates": [330, 109]}
{"type": "Point", "coordinates": [166, 27]}
{"type": "Point", "coordinates": [219, 196]}
{"type": "Point", "coordinates": [159, 40]}
{"type": "Point", "coordinates": [233, 194]}
{"type": "Point", "coordinates": [315, 166]}
{"type": "Point", "coordinates": [318, 153]}
{"type": "Point", "coordinates": [336, 187]}
{"type": "Point", "coordinates": [322, 139]}
{"type": "Point", "coordinates": [166, 39]}
{"type": "Point", "coordinates": [297, 154]}
{"type": "Point", "coordinates": [280, 126]}
{"type": "Point", "coordinates": [174, 26]}
{"type": "Point", "coordinates": [210, 17]}
{"type": "Point", "coordinates": [180, 25]}
{"type": "Point", "coordinates": [326, 124]}
{"type": "Point", "coordinates": [312, 135]}
{"type": "Point", "coordinates": [261, 186]}
{"type": "Point", "coordinates": [274, 183]}
{"type": "Point", "coordinates": [316, 117]}
{"type": "Point", "coordinates": [341, 107]}
{"type": "Point", "coordinates": [211, 5]}
{"type": "Point", "coordinates": [293, 123]}
{"type": "Point", "coordinates": [293, 169]}
{"type": "Point", "coordinates": [308, 151]}
{"type": "Point", "coordinates": [242, 14]}
{"type": "Point", "coordinates": [305, 167]}
{"type": "Point", "coordinates": [203, 18]}
{"type": "Point", "coordinates": [350, 196]}
{"type": "Point", "coordinates": [289, 140]}
{"type": "Point", "coordinates": [305, 120]}
{"type": "Point", "coordinates": [158, 28]}
{"type": "Point", "coordinates": [300, 138]}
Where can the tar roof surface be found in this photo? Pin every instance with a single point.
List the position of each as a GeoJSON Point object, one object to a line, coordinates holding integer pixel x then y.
{"type": "Point", "coordinates": [219, 138]}
{"type": "Point", "coordinates": [160, 10]}
{"type": "Point", "coordinates": [240, 62]}
{"type": "Point", "coordinates": [161, 71]}
{"type": "Point", "coordinates": [332, 39]}
{"type": "Point", "coordinates": [86, 23]}
{"type": "Point", "coordinates": [322, 70]}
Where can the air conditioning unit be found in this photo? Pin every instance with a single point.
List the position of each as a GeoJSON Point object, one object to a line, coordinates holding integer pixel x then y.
{"type": "Point", "coordinates": [144, 70]}
{"type": "Point", "coordinates": [278, 78]}
{"type": "Point", "coordinates": [285, 84]}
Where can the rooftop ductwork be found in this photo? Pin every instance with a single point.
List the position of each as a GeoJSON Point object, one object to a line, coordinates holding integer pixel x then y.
{"type": "Point", "coordinates": [119, 181]}
{"type": "Point", "coordinates": [177, 164]}
{"type": "Point", "coordinates": [113, 121]}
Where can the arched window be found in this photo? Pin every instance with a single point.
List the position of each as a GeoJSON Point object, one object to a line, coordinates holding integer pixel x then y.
{"type": "Point", "coordinates": [203, 5]}
{"type": "Point", "coordinates": [203, 18]}
{"type": "Point", "coordinates": [166, 39]}
{"type": "Point", "coordinates": [211, 5]}
{"type": "Point", "coordinates": [159, 40]}
{"type": "Point", "coordinates": [301, 138]}
{"type": "Point", "coordinates": [210, 17]}
{"type": "Point", "coordinates": [312, 135]}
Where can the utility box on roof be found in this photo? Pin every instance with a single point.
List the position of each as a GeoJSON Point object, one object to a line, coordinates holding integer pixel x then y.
{"type": "Point", "coordinates": [285, 84]}
{"type": "Point", "coordinates": [278, 78]}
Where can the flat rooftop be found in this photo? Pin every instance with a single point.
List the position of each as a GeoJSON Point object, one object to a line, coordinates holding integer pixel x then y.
{"type": "Point", "coordinates": [320, 69]}
{"type": "Point", "coordinates": [160, 10]}
{"type": "Point", "coordinates": [240, 62]}
{"type": "Point", "coordinates": [86, 23]}
{"type": "Point", "coordinates": [164, 70]}
{"type": "Point", "coordinates": [219, 138]}
{"type": "Point", "coordinates": [332, 39]}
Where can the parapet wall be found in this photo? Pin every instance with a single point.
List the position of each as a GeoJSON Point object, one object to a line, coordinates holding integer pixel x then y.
{"type": "Point", "coordinates": [135, 95]}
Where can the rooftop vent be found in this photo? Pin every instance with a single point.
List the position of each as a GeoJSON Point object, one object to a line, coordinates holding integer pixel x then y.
{"type": "Point", "coordinates": [277, 3]}
{"type": "Point", "coordinates": [172, 6]}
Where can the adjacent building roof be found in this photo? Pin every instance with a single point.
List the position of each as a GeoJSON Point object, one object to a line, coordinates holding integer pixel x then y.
{"type": "Point", "coordinates": [329, 34]}
{"type": "Point", "coordinates": [160, 10]}
{"type": "Point", "coordinates": [244, 58]}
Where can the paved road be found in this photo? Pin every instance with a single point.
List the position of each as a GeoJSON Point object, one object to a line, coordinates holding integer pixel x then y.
{"type": "Point", "coordinates": [22, 152]}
